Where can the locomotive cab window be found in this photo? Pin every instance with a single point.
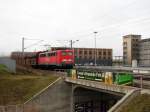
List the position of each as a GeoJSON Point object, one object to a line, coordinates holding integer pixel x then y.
{"type": "Point", "coordinates": [42, 55]}
{"type": "Point", "coordinates": [63, 53]}
{"type": "Point", "coordinates": [70, 53]}
{"type": "Point", "coordinates": [54, 54]}
{"type": "Point", "coordinates": [49, 54]}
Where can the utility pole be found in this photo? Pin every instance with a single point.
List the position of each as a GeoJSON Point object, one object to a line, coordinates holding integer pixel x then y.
{"type": "Point", "coordinates": [71, 44]}
{"type": "Point", "coordinates": [95, 49]}
{"type": "Point", "coordinates": [22, 49]}
{"type": "Point", "coordinates": [23, 46]}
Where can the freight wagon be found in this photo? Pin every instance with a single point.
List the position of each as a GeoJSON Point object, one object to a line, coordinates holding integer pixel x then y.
{"type": "Point", "coordinates": [45, 59]}
{"type": "Point", "coordinates": [119, 78]}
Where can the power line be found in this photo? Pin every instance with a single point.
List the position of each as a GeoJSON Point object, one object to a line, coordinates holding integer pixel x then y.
{"type": "Point", "coordinates": [109, 15]}
{"type": "Point", "coordinates": [126, 22]}
{"type": "Point", "coordinates": [33, 44]}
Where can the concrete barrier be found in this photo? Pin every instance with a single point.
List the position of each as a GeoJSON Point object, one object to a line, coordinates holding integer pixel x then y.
{"type": "Point", "coordinates": [9, 63]}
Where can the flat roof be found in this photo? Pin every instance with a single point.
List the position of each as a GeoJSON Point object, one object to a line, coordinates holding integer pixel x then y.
{"type": "Point", "coordinates": [145, 40]}
{"type": "Point", "coordinates": [132, 35]}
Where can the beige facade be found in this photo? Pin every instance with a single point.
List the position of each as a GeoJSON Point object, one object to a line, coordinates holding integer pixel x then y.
{"type": "Point", "coordinates": [89, 53]}
{"type": "Point", "coordinates": [130, 48]}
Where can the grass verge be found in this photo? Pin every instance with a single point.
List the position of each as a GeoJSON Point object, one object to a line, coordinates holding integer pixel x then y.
{"type": "Point", "coordinates": [18, 88]}
{"type": "Point", "coordinates": [140, 104]}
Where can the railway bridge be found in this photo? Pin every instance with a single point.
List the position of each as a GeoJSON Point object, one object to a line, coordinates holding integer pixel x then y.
{"type": "Point", "coordinates": [77, 95]}
{"type": "Point", "coordinates": [92, 96]}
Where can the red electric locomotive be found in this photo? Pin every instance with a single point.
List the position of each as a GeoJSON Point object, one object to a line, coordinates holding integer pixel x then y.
{"type": "Point", "coordinates": [58, 59]}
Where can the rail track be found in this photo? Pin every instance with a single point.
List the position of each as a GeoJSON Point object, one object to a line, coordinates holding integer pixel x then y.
{"type": "Point", "coordinates": [141, 81]}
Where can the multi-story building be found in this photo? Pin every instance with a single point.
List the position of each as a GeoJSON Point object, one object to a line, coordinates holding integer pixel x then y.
{"type": "Point", "coordinates": [135, 48]}
{"type": "Point", "coordinates": [130, 48]}
{"type": "Point", "coordinates": [144, 52]}
{"type": "Point", "coordinates": [86, 56]}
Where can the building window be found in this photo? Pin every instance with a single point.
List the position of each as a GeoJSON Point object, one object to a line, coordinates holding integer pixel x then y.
{"type": "Point", "coordinates": [109, 53]}
{"type": "Point", "coordinates": [100, 53]}
{"type": "Point", "coordinates": [85, 52]}
{"type": "Point", "coordinates": [125, 43]}
{"type": "Point", "coordinates": [104, 53]}
{"type": "Point", "coordinates": [80, 52]}
{"type": "Point", "coordinates": [90, 52]}
{"type": "Point", "coordinates": [109, 57]}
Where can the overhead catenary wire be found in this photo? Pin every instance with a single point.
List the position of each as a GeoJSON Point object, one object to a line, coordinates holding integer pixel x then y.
{"type": "Point", "coordinates": [89, 33]}
{"type": "Point", "coordinates": [118, 25]}
{"type": "Point", "coordinates": [109, 15]}
{"type": "Point", "coordinates": [33, 44]}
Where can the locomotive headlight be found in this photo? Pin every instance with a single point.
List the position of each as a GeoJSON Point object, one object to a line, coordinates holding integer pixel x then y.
{"type": "Point", "coordinates": [64, 60]}
{"type": "Point", "coordinates": [69, 59]}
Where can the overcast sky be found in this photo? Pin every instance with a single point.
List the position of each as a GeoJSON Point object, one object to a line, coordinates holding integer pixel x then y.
{"type": "Point", "coordinates": [58, 21]}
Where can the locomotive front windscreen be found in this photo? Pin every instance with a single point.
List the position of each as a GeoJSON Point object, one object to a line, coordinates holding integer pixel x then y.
{"type": "Point", "coordinates": [64, 53]}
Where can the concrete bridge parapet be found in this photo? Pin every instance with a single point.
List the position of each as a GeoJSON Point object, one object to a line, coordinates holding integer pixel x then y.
{"type": "Point", "coordinates": [101, 85]}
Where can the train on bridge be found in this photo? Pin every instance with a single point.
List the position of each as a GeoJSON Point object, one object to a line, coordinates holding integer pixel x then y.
{"type": "Point", "coordinates": [118, 78]}
{"type": "Point", "coordinates": [45, 59]}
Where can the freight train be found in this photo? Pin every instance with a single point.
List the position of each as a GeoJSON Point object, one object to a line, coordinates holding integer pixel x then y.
{"type": "Point", "coordinates": [45, 59]}
{"type": "Point", "coordinates": [118, 78]}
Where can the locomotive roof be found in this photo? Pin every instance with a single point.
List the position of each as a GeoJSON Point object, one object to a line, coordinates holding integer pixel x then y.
{"type": "Point", "coordinates": [55, 50]}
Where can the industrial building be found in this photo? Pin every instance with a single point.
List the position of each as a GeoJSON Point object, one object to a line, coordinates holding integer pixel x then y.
{"type": "Point", "coordinates": [86, 56]}
{"type": "Point", "coordinates": [144, 52]}
{"type": "Point", "coordinates": [135, 48]}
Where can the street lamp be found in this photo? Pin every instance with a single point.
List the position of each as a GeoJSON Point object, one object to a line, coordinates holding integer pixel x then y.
{"type": "Point", "coordinates": [95, 48]}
